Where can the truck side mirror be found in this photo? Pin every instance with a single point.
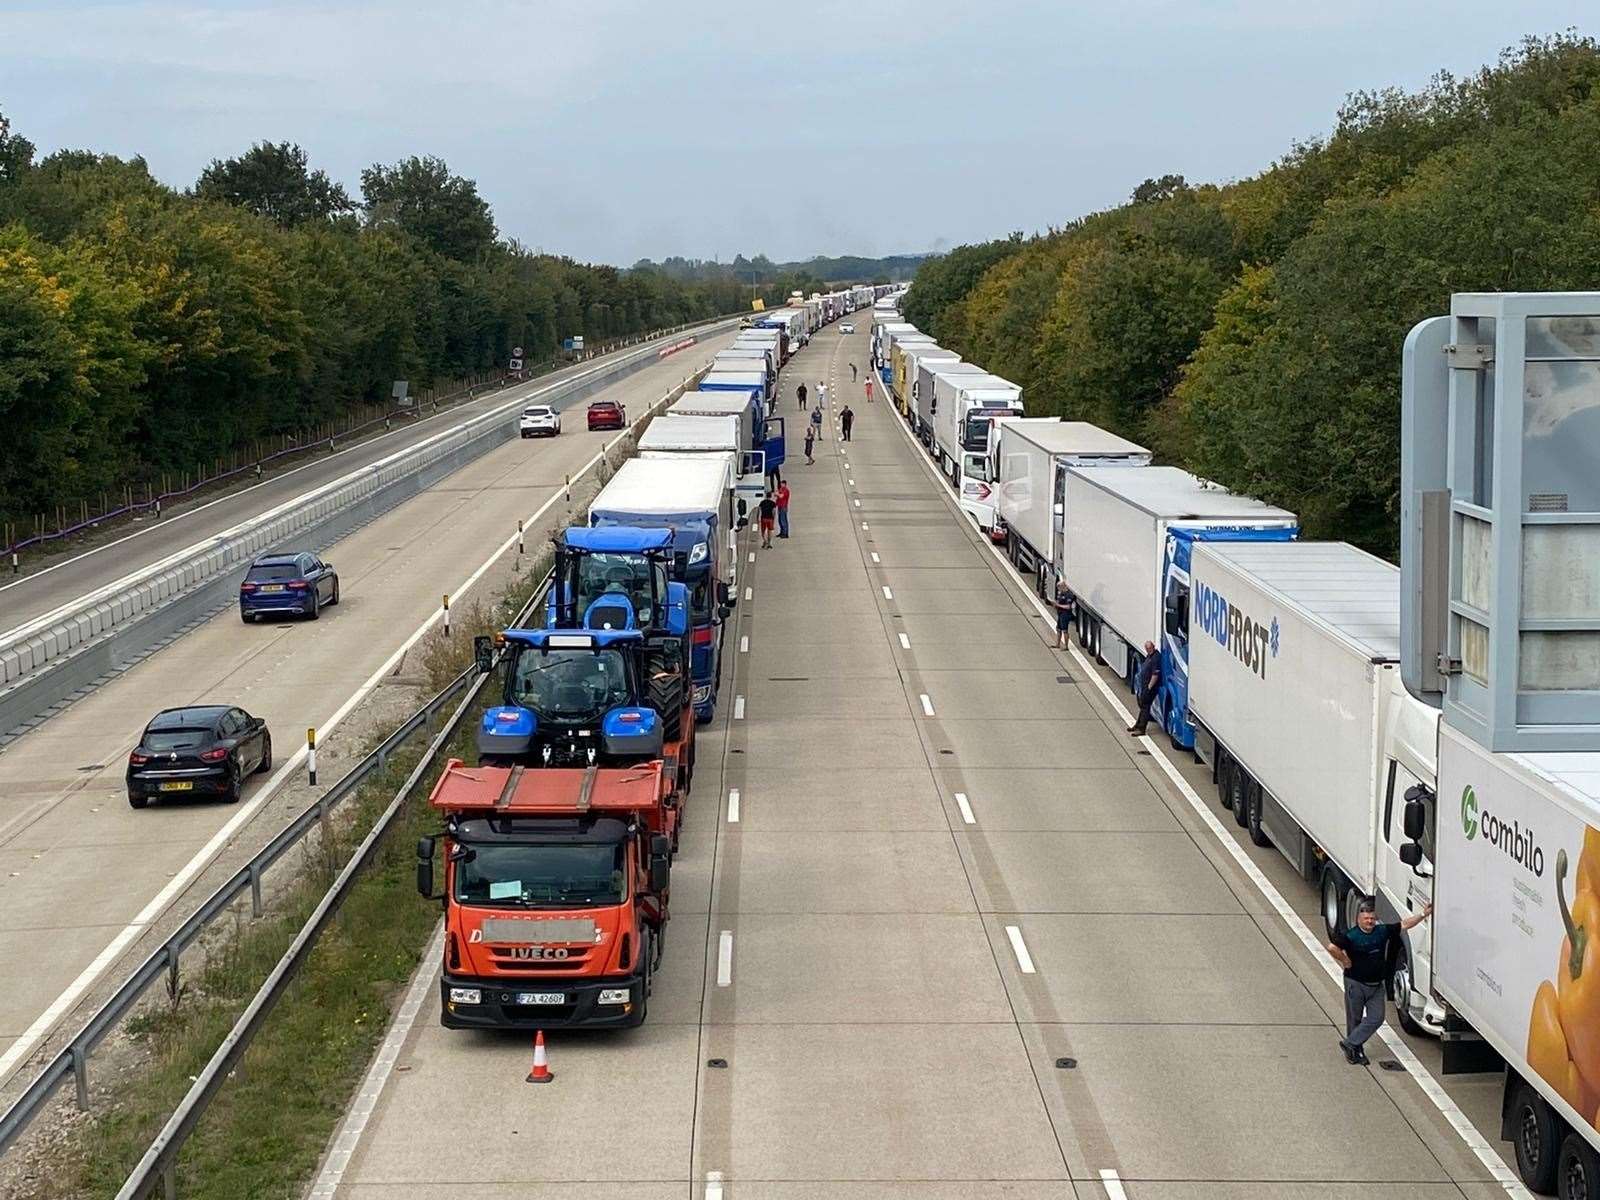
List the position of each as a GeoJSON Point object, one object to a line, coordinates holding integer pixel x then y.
{"type": "Point", "coordinates": [660, 845]}
{"type": "Point", "coordinates": [1411, 854]}
{"type": "Point", "coordinates": [1416, 819]}
{"type": "Point", "coordinates": [483, 653]}
{"type": "Point", "coordinates": [660, 874]}
{"type": "Point", "coordinates": [425, 868]}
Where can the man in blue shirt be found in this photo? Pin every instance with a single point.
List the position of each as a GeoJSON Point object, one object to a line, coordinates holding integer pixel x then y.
{"type": "Point", "coordinates": [1363, 951]}
{"type": "Point", "coordinates": [1146, 686]}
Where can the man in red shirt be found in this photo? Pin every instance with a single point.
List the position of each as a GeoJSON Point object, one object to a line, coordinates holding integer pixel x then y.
{"type": "Point", "coordinates": [783, 509]}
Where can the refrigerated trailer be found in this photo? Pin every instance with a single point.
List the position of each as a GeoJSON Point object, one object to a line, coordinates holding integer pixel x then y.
{"type": "Point", "coordinates": [1033, 455]}
{"type": "Point", "coordinates": [674, 435]}
{"type": "Point", "coordinates": [917, 353]}
{"type": "Point", "coordinates": [927, 375]}
{"type": "Point", "coordinates": [963, 407]}
{"type": "Point", "coordinates": [1127, 541]}
{"type": "Point", "coordinates": [1293, 687]}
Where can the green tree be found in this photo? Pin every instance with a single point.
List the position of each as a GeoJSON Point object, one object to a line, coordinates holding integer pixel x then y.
{"type": "Point", "coordinates": [422, 198]}
{"type": "Point", "coordinates": [273, 180]}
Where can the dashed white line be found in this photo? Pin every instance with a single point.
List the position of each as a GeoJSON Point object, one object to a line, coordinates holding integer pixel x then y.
{"type": "Point", "coordinates": [905, 642]}
{"type": "Point", "coordinates": [752, 556]}
{"type": "Point", "coordinates": [875, 557]}
{"type": "Point", "coordinates": [927, 705]}
{"type": "Point", "coordinates": [851, 482]}
{"type": "Point", "coordinates": [733, 806]}
{"type": "Point", "coordinates": [864, 525]}
{"type": "Point", "coordinates": [713, 1185]}
{"type": "Point", "coordinates": [738, 708]}
{"type": "Point", "coordinates": [725, 958]}
{"type": "Point", "coordinates": [1112, 1184]}
{"type": "Point", "coordinates": [857, 503]}
{"type": "Point", "coordinates": [966, 809]}
{"type": "Point", "coordinates": [1020, 949]}
{"type": "Point", "coordinates": [744, 644]}
{"type": "Point", "coordinates": [887, 594]}
{"type": "Point", "coordinates": [748, 592]}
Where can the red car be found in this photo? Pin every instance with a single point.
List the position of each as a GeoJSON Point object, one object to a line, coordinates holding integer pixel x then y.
{"type": "Point", "coordinates": [607, 414]}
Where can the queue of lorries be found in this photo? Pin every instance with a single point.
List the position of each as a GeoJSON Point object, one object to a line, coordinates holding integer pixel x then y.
{"type": "Point", "coordinates": [557, 847]}
{"type": "Point", "coordinates": [1280, 672]}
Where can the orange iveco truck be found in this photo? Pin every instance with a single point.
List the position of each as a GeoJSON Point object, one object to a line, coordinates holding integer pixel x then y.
{"type": "Point", "coordinates": [555, 893]}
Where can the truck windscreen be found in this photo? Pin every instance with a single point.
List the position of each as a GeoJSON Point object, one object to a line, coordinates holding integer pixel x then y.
{"type": "Point", "coordinates": [569, 686]}
{"type": "Point", "coordinates": [545, 875]}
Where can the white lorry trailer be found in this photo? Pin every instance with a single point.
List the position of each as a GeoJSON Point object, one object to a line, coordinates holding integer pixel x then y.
{"type": "Point", "coordinates": [1029, 495]}
{"type": "Point", "coordinates": [1515, 854]}
{"type": "Point", "coordinates": [675, 435]}
{"type": "Point", "coordinates": [928, 374]}
{"type": "Point", "coordinates": [1117, 526]}
{"type": "Point", "coordinates": [1295, 697]}
{"type": "Point", "coordinates": [963, 407]}
{"type": "Point", "coordinates": [741, 358]}
{"type": "Point", "coordinates": [917, 353]}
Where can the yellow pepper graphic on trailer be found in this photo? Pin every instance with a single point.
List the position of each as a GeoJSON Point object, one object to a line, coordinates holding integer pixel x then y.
{"type": "Point", "coordinates": [1564, 1026]}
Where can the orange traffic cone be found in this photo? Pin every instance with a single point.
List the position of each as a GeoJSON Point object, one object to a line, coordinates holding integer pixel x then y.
{"type": "Point", "coordinates": [541, 1068]}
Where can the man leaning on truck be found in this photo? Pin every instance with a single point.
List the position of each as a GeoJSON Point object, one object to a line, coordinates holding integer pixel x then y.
{"type": "Point", "coordinates": [1363, 951]}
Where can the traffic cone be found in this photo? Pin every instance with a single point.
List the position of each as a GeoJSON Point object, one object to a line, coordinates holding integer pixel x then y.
{"type": "Point", "coordinates": [541, 1068]}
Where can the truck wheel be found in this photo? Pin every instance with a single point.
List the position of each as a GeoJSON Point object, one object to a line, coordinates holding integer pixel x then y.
{"type": "Point", "coordinates": [1224, 775]}
{"type": "Point", "coordinates": [1258, 835]}
{"type": "Point", "coordinates": [1239, 788]}
{"type": "Point", "coordinates": [1577, 1170]}
{"type": "Point", "coordinates": [1335, 890]}
{"type": "Point", "coordinates": [1535, 1133]}
{"type": "Point", "coordinates": [1400, 992]}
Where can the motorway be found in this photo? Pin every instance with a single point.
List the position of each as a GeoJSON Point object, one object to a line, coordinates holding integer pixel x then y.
{"type": "Point", "coordinates": [82, 875]}
{"type": "Point", "coordinates": [941, 929]}
{"type": "Point", "coordinates": [40, 592]}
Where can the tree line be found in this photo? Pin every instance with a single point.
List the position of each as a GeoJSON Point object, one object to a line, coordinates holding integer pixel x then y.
{"type": "Point", "coordinates": [144, 330]}
{"type": "Point", "coordinates": [1252, 332]}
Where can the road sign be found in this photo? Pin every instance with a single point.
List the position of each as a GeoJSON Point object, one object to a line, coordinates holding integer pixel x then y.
{"type": "Point", "coordinates": [516, 364]}
{"type": "Point", "coordinates": [399, 392]}
{"type": "Point", "coordinates": [516, 352]}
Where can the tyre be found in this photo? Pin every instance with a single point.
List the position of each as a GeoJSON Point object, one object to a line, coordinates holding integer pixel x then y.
{"type": "Point", "coordinates": [666, 697]}
{"type": "Point", "coordinates": [1577, 1170]}
{"type": "Point", "coordinates": [1239, 789]}
{"type": "Point", "coordinates": [266, 756]}
{"type": "Point", "coordinates": [1535, 1134]}
{"type": "Point", "coordinates": [1224, 770]}
{"type": "Point", "coordinates": [1335, 891]}
{"type": "Point", "coordinates": [137, 801]}
{"type": "Point", "coordinates": [316, 607]}
{"type": "Point", "coordinates": [1258, 835]}
{"type": "Point", "coordinates": [1400, 992]}
{"type": "Point", "coordinates": [335, 599]}
{"type": "Point", "coordinates": [235, 788]}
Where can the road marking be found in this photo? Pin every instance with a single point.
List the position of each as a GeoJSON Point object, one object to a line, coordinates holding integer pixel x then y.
{"type": "Point", "coordinates": [851, 482]}
{"type": "Point", "coordinates": [733, 806]}
{"type": "Point", "coordinates": [725, 958]}
{"type": "Point", "coordinates": [713, 1185]}
{"type": "Point", "coordinates": [1020, 949]}
{"type": "Point", "coordinates": [1112, 1184]}
{"type": "Point", "coordinates": [966, 809]}
{"type": "Point", "coordinates": [744, 644]}
{"type": "Point", "coordinates": [864, 525]}
{"type": "Point", "coordinates": [1485, 1152]}
{"type": "Point", "coordinates": [887, 594]}
{"type": "Point", "coordinates": [752, 556]}
{"type": "Point", "coordinates": [927, 705]}
{"type": "Point", "coordinates": [748, 592]}
{"type": "Point", "coordinates": [875, 557]}
{"type": "Point", "coordinates": [905, 642]}
{"type": "Point", "coordinates": [857, 503]}
{"type": "Point", "coordinates": [19, 1050]}
{"type": "Point", "coordinates": [738, 708]}
{"type": "Point", "coordinates": [362, 1107]}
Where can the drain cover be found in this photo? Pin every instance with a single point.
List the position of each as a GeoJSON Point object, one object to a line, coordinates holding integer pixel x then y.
{"type": "Point", "coordinates": [1066, 1064]}
{"type": "Point", "coordinates": [717, 1064]}
{"type": "Point", "coordinates": [1063, 678]}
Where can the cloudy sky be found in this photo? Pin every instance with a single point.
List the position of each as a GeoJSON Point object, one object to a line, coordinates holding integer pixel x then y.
{"type": "Point", "coordinates": [618, 130]}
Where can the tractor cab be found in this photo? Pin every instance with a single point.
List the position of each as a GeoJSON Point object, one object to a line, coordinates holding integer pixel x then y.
{"type": "Point", "coordinates": [617, 578]}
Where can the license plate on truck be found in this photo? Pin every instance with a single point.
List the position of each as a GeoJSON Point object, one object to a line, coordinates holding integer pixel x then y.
{"type": "Point", "coordinates": [541, 997]}
{"type": "Point", "coordinates": [182, 785]}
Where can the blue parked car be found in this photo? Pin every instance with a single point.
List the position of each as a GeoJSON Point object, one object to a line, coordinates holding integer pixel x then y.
{"type": "Point", "coordinates": [295, 583]}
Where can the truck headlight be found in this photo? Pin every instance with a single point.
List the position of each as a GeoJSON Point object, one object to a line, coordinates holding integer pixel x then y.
{"type": "Point", "coordinates": [702, 695]}
{"type": "Point", "coordinates": [466, 995]}
{"type": "Point", "coordinates": [615, 996]}
{"type": "Point", "coordinates": [701, 551]}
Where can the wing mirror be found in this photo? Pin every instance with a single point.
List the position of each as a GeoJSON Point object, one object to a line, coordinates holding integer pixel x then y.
{"type": "Point", "coordinates": [425, 868]}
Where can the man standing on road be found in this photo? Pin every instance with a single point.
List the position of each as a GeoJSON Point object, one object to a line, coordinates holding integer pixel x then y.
{"type": "Point", "coordinates": [783, 509]}
{"type": "Point", "coordinates": [801, 392]}
{"type": "Point", "coordinates": [1066, 612]}
{"type": "Point", "coordinates": [869, 389]}
{"type": "Point", "coordinates": [1146, 687]}
{"type": "Point", "coordinates": [811, 441]}
{"type": "Point", "coordinates": [816, 419]}
{"type": "Point", "coordinates": [846, 419]}
{"type": "Point", "coordinates": [769, 508]}
{"type": "Point", "coordinates": [1363, 951]}
{"type": "Point", "coordinates": [822, 394]}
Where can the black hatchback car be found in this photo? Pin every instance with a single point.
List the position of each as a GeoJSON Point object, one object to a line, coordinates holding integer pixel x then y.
{"type": "Point", "coordinates": [295, 583]}
{"type": "Point", "coordinates": [205, 750]}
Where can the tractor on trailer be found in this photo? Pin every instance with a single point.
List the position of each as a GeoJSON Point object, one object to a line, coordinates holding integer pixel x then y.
{"type": "Point", "coordinates": [556, 890]}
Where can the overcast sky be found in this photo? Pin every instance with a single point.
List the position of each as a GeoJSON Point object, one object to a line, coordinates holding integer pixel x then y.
{"type": "Point", "coordinates": [615, 131]}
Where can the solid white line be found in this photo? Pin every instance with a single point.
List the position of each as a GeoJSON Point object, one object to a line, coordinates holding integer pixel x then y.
{"type": "Point", "coordinates": [966, 809]}
{"type": "Point", "coordinates": [725, 958]}
{"type": "Point", "coordinates": [1486, 1153]}
{"type": "Point", "coordinates": [1024, 959]}
{"type": "Point", "coordinates": [1112, 1184]}
{"type": "Point", "coordinates": [905, 642]}
{"type": "Point", "coordinates": [747, 593]}
{"type": "Point", "coordinates": [24, 1045]}
{"type": "Point", "coordinates": [733, 806]}
{"type": "Point", "coordinates": [927, 705]}
{"type": "Point", "coordinates": [744, 644]}
{"type": "Point", "coordinates": [875, 557]}
{"type": "Point", "coordinates": [738, 708]}
{"type": "Point", "coordinates": [362, 1107]}
{"type": "Point", "coordinates": [713, 1185]}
